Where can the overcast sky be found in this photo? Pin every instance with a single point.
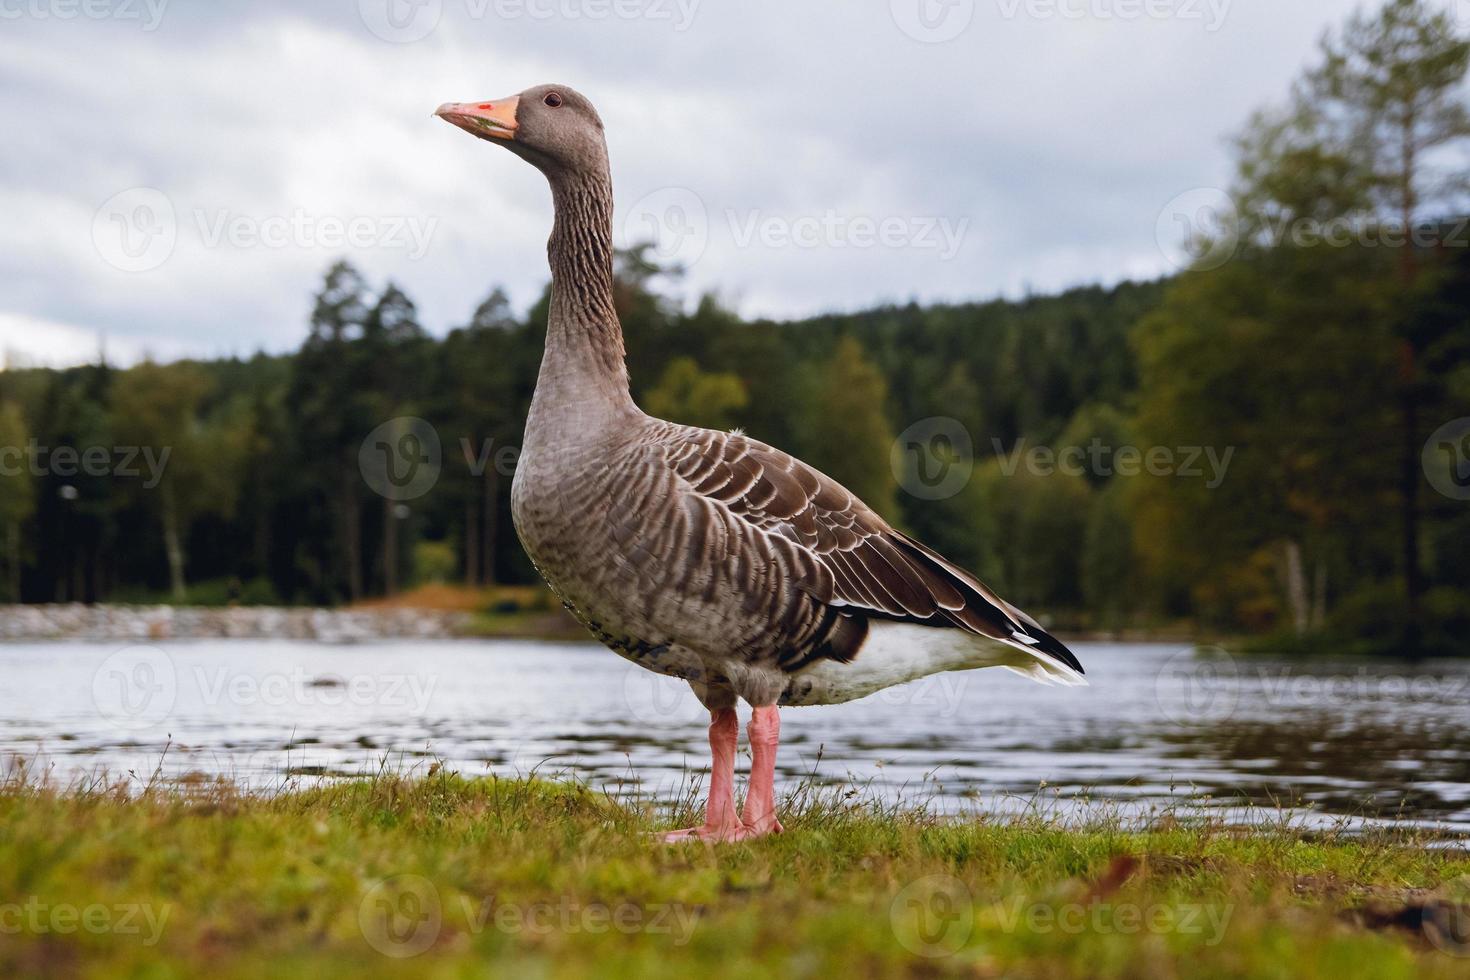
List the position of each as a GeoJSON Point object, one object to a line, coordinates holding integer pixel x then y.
{"type": "Point", "coordinates": [177, 174]}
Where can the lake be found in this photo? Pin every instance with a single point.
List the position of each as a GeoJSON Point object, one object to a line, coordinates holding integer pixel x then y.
{"type": "Point", "coordinates": [1353, 742]}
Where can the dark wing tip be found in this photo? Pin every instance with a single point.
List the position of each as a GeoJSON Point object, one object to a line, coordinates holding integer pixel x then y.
{"type": "Point", "coordinates": [1054, 648]}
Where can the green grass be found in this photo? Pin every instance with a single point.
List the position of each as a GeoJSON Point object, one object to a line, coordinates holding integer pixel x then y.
{"type": "Point", "coordinates": [525, 878]}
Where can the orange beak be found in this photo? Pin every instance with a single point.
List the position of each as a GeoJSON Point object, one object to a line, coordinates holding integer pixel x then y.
{"type": "Point", "coordinates": [487, 120]}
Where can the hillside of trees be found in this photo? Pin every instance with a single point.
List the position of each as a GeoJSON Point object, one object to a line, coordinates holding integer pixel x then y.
{"type": "Point", "coordinates": [1250, 442]}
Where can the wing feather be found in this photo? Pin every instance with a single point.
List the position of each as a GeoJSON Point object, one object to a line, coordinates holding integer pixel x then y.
{"type": "Point", "coordinates": [842, 554]}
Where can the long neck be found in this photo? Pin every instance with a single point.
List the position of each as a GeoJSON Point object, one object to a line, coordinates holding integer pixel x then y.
{"type": "Point", "coordinates": [583, 364]}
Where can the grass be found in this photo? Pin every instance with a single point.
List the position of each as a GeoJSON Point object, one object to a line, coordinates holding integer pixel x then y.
{"type": "Point", "coordinates": [447, 877]}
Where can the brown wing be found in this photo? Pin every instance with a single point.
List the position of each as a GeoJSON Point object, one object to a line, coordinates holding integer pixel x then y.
{"type": "Point", "coordinates": [847, 558]}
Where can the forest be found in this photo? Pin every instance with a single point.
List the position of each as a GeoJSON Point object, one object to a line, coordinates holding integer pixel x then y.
{"type": "Point", "coordinates": [1275, 444]}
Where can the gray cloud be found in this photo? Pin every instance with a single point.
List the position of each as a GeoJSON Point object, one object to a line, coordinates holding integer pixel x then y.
{"type": "Point", "coordinates": [283, 135]}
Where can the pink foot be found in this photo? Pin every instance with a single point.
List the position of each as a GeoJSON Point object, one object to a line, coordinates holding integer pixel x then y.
{"type": "Point", "coordinates": [721, 825]}
{"type": "Point", "coordinates": [764, 731]}
{"type": "Point", "coordinates": [727, 834]}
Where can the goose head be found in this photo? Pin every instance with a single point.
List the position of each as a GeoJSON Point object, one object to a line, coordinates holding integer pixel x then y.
{"type": "Point", "coordinates": [551, 126]}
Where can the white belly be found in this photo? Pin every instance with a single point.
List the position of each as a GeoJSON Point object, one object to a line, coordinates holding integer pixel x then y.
{"type": "Point", "coordinates": [896, 653]}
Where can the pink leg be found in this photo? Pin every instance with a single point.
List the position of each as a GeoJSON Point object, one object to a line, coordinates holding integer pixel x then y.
{"type": "Point", "coordinates": [764, 731]}
{"type": "Point", "coordinates": [720, 821]}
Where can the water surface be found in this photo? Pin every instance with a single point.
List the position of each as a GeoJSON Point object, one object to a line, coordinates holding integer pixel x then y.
{"type": "Point", "coordinates": [1158, 727]}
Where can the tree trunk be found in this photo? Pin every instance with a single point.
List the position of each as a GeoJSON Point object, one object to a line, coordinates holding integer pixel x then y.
{"type": "Point", "coordinates": [1409, 466]}
{"type": "Point", "coordinates": [172, 546]}
{"type": "Point", "coordinates": [489, 523]}
{"type": "Point", "coordinates": [1409, 475]}
{"type": "Point", "coordinates": [471, 539]}
{"type": "Point", "coordinates": [1319, 597]}
{"type": "Point", "coordinates": [12, 561]}
{"type": "Point", "coordinates": [352, 536]}
{"type": "Point", "coordinates": [390, 548]}
{"type": "Point", "coordinates": [1296, 586]}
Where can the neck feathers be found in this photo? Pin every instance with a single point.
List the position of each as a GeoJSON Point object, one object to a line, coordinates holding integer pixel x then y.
{"type": "Point", "coordinates": [584, 328]}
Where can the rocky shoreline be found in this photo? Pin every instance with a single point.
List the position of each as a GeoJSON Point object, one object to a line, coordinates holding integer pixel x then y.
{"type": "Point", "coordinates": [143, 623]}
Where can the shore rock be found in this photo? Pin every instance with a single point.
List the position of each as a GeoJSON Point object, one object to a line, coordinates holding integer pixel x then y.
{"type": "Point", "coordinates": [76, 621]}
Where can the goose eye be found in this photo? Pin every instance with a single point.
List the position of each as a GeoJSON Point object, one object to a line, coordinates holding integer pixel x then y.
{"type": "Point", "coordinates": [553, 100]}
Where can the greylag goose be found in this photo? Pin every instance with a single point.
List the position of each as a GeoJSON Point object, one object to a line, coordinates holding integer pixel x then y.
{"type": "Point", "coordinates": [707, 555]}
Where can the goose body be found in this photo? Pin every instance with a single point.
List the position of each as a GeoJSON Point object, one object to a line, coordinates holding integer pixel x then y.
{"type": "Point", "coordinates": [706, 555]}
{"type": "Point", "coordinates": [712, 557]}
